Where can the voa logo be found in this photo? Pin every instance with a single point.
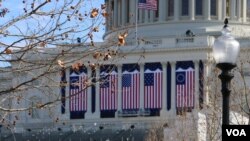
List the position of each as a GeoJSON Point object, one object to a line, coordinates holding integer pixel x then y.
{"type": "Point", "coordinates": [236, 132]}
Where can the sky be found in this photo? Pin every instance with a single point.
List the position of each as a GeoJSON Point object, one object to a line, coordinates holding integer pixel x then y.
{"type": "Point", "coordinates": [15, 8]}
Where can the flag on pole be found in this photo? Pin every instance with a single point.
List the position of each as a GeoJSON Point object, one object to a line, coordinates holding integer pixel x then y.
{"type": "Point", "coordinates": [185, 88]}
{"type": "Point", "coordinates": [148, 4]}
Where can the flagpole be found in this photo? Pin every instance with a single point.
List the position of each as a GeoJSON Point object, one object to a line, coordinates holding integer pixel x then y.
{"type": "Point", "coordinates": [136, 16]}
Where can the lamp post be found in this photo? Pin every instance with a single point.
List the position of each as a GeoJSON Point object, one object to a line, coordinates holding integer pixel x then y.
{"type": "Point", "coordinates": [225, 51]}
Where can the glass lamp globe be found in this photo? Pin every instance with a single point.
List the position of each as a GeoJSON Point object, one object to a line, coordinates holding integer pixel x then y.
{"type": "Point", "coordinates": [226, 48]}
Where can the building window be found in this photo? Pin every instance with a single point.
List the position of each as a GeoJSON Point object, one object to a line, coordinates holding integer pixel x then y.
{"type": "Point", "coordinates": [198, 7]}
{"type": "Point", "coordinates": [184, 7]}
{"type": "Point", "coordinates": [170, 8]}
{"type": "Point", "coordinates": [213, 7]}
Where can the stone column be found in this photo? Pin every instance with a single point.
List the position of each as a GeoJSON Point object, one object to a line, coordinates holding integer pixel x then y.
{"type": "Point", "coordinates": [115, 20]}
{"type": "Point", "coordinates": [142, 86]}
{"type": "Point", "coordinates": [232, 9]}
{"type": "Point", "coordinates": [146, 16]}
{"type": "Point", "coordinates": [124, 12]}
{"type": "Point", "coordinates": [219, 9]}
{"type": "Point", "coordinates": [132, 10]}
{"type": "Point", "coordinates": [173, 88]}
{"type": "Point", "coordinates": [176, 10]}
{"type": "Point", "coordinates": [196, 85]}
{"type": "Point", "coordinates": [111, 15]}
{"type": "Point", "coordinates": [152, 16]}
{"type": "Point", "coordinates": [207, 9]}
{"type": "Point", "coordinates": [238, 10]}
{"type": "Point", "coordinates": [192, 9]}
{"type": "Point", "coordinates": [207, 74]}
{"type": "Point", "coordinates": [224, 9]}
{"type": "Point", "coordinates": [162, 10]}
{"type": "Point", "coordinates": [244, 10]}
{"type": "Point", "coordinates": [89, 101]}
{"type": "Point", "coordinates": [164, 89]}
{"type": "Point", "coordinates": [97, 97]}
{"type": "Point", "coordinates": [119, 15]}
{"type": "Point", "coordinates": [107, 18]}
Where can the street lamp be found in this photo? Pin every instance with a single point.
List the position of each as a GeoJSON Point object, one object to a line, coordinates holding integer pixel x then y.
{"type": "Point", "coordinates": [225, 51]}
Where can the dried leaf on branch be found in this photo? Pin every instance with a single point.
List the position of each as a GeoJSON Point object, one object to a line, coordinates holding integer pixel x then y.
{"type": "Point", "coordinates": [105, 14]}
{"type": "Point", "coordinates": [8, 51]}
{"type": "Point", "coordinates": [121, 38]}
{"type": "Point", "coordinates": [60, 63]}
{"type": "Point", "coordinates": [94, 13]}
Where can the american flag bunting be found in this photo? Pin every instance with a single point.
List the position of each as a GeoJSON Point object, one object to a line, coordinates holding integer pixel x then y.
{"type": "Point", "coordinates": [78, 93]}
{"type": "Point", "coordinates": [108, 90]}
{"type": "Point", "coordinates": [153, 89]}
{"type": "Point", "coordinates": [130, 90]}
{"type": "Point", "coordinates": [185, 88]}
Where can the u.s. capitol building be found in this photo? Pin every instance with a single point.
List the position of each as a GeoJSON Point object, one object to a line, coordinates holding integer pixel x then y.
{"type": "Point", "coordinates": [156, 85]}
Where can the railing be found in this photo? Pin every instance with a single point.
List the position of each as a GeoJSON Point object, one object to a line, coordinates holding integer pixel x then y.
{"type": "Point", "coordinates": [173, 42]}
{"type": "Point", "coordinates": [185, 40]}
{"type": "Point", "coordinates": [197, 41]}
